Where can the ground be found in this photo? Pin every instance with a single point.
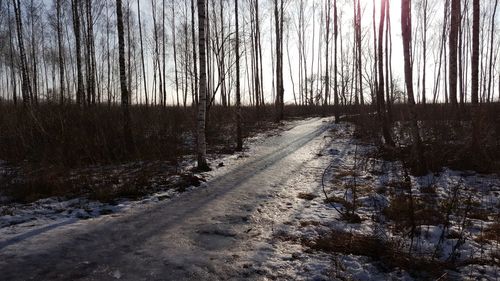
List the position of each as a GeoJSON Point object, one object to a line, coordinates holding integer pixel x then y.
{"type": "Point", "coordinates": [268, 213]}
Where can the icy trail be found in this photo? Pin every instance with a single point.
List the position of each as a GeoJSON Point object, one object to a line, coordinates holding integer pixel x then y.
{"type": "Point", "coordinates": [223, 230]}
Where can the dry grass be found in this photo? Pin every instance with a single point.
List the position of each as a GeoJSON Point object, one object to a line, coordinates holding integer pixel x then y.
{"type": "Point", "coordinates": [386, 254]}
{"type": "Point", "coordinates": [428, 189]}
{"type": "Point", "coordinates": [103, 183]}
{"type": "Point", "coordinates": [479, 213]}
{"type": "Point", "coordinates": [346, 173]}
{"type": "Point", "coordinates": [491, 233]}
{"type": "Point", "coordinates": [447, 135]}
{"type": "Point", "coordinates": [399, 211]}
{"type": "Point", "coordinates": [339, 200]}
{"type": "Point", "coordinates": [361, 189]}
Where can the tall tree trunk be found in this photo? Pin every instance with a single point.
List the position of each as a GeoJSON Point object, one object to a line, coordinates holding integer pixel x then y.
{"type": "Point", "coordinates": [239, 137]}
{"type": "Point", "coordinates": [319, 65]}
{"type": "Point", "coordinates": [453, 44]}
{"type": "Point", "coordinates": [492, 33]}
{"type": "Point", "coordinates": [311, 79]}
{"type": "Point", "coordinates": [299, 47]}
{"type": "Point", "coordinates": [186, 55]}
{"type": "Point", "coordinates": [278, 17]}
{"type": "Point", "coordinates": [11, 54]}
{"type": "Point", "coordinates": [273, 60]}
{"type": "Point", "coordinates": [142, 54]}
{"type": "Point", "coordinates": [108, 59]}
{"type": "Point", "coordinates": [174, 46]}
{"type": "Point", "coordinates": [344, 79]}
{"type": "Point", "coordinates": [327, 52]}
{"type": "Point", "coordinates": [127, 129]}
{"type": "Point", "coordinates": [256, 72]}
{"type": "Point", "coordinates": [247, 68]}
{"type": "Point", "coordinates": [388, 99]}
{"type": "Point", "coordinates": [222, 59]}
{"type": "Point", "coordinates": [276, 34]}
{"type": "Point", "coordinates": [252, 90]}
{"type": "Point", "coordinates": [461, 90]}
{"type": "Point", "coordinates": [281, 89]}
{"type": "Point", "coordinates": [482, 65]}
{"type": "Point", "coordinates": [441, 51]}
{"type": "Point", "coordinates": [424, 51]}
{"type": "Point", "coordinates": [360, 55]}
{"type": "Point", "coordinates": [195, 63]}
{"type": "Point", "coordinates": [164, 56]}
{"type": "Point", "coordinates": [210, 78]}
{"type": "Point", "coordinates": [129, 56]}
{"type": "Point", "coordinates": [156, 56]}
{"type": "Point", "coordinates": [375, 50]}
{"type": "Point", "coordinates": [34, 55]}
{"type": "Point", "coordinates": [92, 74]}
{"type": "Point", "coordinates": [202, 106]}
{"type": "Point", "coordinates": [76, 29]}
{"type": "Point", "coordinates": [475, 51]}
{"type": "Point", "coordinates": [46, 71]}
{"type": "Point", "coordinates": [335, 66]}
{"type": "Point", "coordinates": [26, 86]}
{"type": "Point", "coordinates": [60, 51]}
{"type": "Point", "coordinates": [406, 34]}
{"type": "Point", "coordinates": [381, 110]}
{"type": "Point", "coordinates": [304, 56]}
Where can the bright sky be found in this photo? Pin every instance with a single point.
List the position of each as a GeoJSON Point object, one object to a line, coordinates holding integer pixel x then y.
{"type": "Point", "coordinates": [345, 7]}
{"type": "Point", "coordinates": [267, 27]}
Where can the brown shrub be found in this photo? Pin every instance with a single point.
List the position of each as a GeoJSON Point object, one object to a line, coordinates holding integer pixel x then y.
{"type": "Point", "coordinates": [446, 135]}
{"type": "Point", "coordinates": [386, 254]}
{"type": "Point", "coordinates": [399, 211]}
{"type": "Point", "coordinates": [47, 143]}
{"type": "Point", "coordinates": [492, 233]}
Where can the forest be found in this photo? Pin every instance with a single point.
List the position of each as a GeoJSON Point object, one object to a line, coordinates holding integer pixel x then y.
{"type": "Point", "coordinates": [296, 139]}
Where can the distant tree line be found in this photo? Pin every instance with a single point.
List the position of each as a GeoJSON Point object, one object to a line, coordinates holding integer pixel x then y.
{"type": "Point", "coordinates": [182, 53]}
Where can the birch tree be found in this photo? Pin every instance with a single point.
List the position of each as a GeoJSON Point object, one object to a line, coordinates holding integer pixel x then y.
{"type": "Point", "coordinates": [475, 51]}
{"type": "Point", "coordinates": [239, 138]}
{"type": "Point", "coordinates": [127, 129]}
{"type": "Point", "coordinates": [26, 85]}
{"type": "Point", "coordinates": [202, 95]}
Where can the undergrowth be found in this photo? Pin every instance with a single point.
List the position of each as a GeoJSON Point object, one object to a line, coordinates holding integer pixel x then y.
{"type": "Point", "coordinates": [448, 136]}
{"type": "Point", "coordinates": [52, 150]}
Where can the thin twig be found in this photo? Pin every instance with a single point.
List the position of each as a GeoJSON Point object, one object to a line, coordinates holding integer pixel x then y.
{"type": "Point", "coordinates": [324, 191]}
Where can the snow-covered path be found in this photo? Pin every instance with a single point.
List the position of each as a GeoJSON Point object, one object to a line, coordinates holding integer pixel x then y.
{"type": "Point", "coordinates": [217, 232]}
